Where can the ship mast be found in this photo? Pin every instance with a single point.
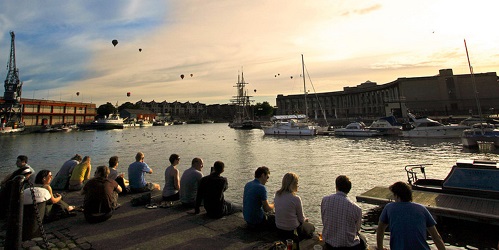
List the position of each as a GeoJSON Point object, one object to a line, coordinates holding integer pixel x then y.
{"type": "Point", "coordinates": [304, 85]}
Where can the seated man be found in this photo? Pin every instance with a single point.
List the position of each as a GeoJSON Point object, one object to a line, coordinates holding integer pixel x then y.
{"type": "Point", "coordinates": [211, 190]}
{"type": "Point", "coordinates": [136, 177]}
{"type": "Point", "coordinates": [189, 183]}
{"type": "Point", "coordinates": [101, 196]}
{"type": "Point", "coordinates": [255, 203]}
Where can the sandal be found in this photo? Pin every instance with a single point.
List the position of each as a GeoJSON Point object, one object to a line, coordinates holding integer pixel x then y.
{"type": "Point", "coordinates": [152, 206]}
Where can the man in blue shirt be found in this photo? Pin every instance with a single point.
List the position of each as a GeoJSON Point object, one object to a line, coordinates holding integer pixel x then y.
{"type": "Point", "coordinates": [136, 177]}
{"type": "Point", "coordinates": [255, 203]}
{"type": "Point", "coordinates": [408, 222]}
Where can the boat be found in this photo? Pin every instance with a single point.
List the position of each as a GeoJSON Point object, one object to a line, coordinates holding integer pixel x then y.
{"type": "Point", "coordinates": [289, 125]}
{"type": "Point", "coordinates": [160, 123]}
{"type": "Point", "coordinates": [387, 126]}
{"type": "Point", "coordinates": [476, 178]}
{"type": "Point", "coordinates": [242, 104]}
{"type": "Point", "coordinates": [423, 127]}
{"type": "Point", "coordinates": [112, 121]}
{"type": "Point", "coordinates": [144, 123]}
{"type": "Point", "coordinates": [11, 128]}
{"type": "Point", "coordinates": [480, 133]}
{"type": "Point", "coordinates": [296, 124]}
{"type": "Point", "coordinates": [358, 129]}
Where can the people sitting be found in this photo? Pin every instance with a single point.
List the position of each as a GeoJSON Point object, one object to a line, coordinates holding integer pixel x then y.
{"type": "Point", "coordinates": [172, 180]}
{"type": "Point", "coordinates": [80, 174]}
{"type": "Point", "coordinates": [136, 176]}
{"type": "Point", "coordinates": [256, 207]}
{"type": "Point", "coordinates": [61, 179]}
{"type": "Point", "coordinates": [118, 177]}
{"type": "Point", "coordinates": [211, 191]}
{"type": "Point", "coordinates": [189, 183]}
{"type": "Point", "coordinates": [101, 196]}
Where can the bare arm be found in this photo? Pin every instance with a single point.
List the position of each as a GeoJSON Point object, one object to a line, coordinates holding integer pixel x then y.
{"type": "Point", "coordinates": [267, 207]}
{"type": "Point", "coordinates": [53, 199]}
{"type": "Point", "coordinates": [176, 179]}
{"type": "Point", "coordinates": [380, 234]}
{"type": "Point", "coordinates": [436, 238]}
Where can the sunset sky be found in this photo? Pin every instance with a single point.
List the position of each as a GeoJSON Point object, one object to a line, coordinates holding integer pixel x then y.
{"type": "Point", "coordinates": [64, 47]}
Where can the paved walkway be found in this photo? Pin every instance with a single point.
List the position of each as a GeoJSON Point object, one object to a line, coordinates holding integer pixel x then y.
{"type": "Point", "coordinates": [160, 228]}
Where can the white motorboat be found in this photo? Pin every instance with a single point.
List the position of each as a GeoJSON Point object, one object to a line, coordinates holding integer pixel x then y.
{"type": "Point", "coordinates": [113, 121]}
{"type": "Point", "coordinates": [387, 126]}
{"type": "Point", "coordinates": [480, 133]}
{"type": "Point", "coordinates": [144, 124]}
{"type": "Point", "coordinates": [423, 127]}
{"type": "Point", "coordinates": [358, 129]}
{"type": "Point", "coordinates": [289, 125]}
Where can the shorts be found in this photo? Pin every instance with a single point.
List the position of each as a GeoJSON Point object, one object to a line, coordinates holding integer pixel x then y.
{"type": "Point", "coordinates": [148, 187]}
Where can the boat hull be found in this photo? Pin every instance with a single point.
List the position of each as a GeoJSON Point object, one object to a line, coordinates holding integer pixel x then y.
{"type": "Point", "coordinates": [101, 126]}
{"type": "Point", "coordinates": [435, 132]}
{"type": "Point", "coordinates": [307, 131]}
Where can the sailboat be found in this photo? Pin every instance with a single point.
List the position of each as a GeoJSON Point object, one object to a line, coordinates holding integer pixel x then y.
{"type": "Point", "coordinates": [242, 102]}
{"type": "Point", "coordinates": [295, 124]}
{"type": "Point", "coordinates": [481, 132]}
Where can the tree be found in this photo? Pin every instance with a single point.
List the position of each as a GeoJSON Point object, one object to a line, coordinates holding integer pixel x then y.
{"type": "Point", "coordinates": [128, 105]}
{"type": "Point", "coordinates": [106, 109]}
{"type": "Point", "coordinates": [263, 109]}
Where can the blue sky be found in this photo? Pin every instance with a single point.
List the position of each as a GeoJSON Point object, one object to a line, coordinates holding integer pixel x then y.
{"type": "Point", "coordinates": [64, 47]}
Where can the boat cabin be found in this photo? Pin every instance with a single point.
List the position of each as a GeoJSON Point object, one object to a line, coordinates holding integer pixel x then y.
{"type": "Point", "coordinates": [478, 178]}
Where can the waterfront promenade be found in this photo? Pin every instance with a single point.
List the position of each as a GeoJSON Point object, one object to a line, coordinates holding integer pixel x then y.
{"type": "Point", "coordinates": [161, 228]}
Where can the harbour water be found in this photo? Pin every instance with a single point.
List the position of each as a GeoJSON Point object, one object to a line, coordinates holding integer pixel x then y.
{"type": "Point", "coordinates": [317, 160]}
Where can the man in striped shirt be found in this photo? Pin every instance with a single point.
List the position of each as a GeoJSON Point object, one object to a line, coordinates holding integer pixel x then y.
{"type": "Point", "coordinates": [341, 218]}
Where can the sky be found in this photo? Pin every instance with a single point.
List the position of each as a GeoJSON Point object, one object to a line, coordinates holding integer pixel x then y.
{"type": "Point", "coordinates": [64, 47]}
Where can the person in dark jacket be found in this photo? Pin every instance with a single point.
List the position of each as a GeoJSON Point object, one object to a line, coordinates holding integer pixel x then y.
{"type": "Point", "coordinates": [211, 191]}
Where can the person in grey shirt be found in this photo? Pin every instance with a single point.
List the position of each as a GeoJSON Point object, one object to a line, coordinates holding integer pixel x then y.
{"type": "Point", "coordinates": [189, 183]}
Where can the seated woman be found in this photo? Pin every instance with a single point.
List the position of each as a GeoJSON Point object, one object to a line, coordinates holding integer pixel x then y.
{"type": "Point", "coordinates": [80, 174]}
{"type": "Point", "coordinates": [56, 207]}
{"type": "Point", "coordinates": [114, 175]}
{"type": "Point", "coordinates": [288, 209]}
{"type": "Point", "coordinates": [101, 196]}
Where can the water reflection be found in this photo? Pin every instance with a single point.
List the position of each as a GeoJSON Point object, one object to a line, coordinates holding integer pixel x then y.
{"type": "Point", "coordinates": [317, 160]}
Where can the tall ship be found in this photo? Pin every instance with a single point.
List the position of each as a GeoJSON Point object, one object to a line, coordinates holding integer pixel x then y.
{"type": "Point", "coordinates": [242, 103]}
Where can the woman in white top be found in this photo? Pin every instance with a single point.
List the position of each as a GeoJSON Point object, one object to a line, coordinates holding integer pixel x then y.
{"type": "Point", "coordinates": [288, 208]}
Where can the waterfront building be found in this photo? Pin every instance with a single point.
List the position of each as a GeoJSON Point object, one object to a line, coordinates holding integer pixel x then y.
{"type": "Point", "coordinates": [137, 115]}
{"type": "Point", "coordinates": [46, 112]}
{"type": "Point", "coordinates": [445, 94]}
{"type": "Point", "coordinates": [176, 110]}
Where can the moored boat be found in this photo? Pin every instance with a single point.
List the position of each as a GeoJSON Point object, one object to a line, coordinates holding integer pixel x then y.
{"type": "Point", "coordinates": [477, 178]}
{"type": "Point", "coordinates": [113, 121]}
{"type": "Point", "coordinates": [387, 126]}
{"type": "Point", "coordinates": [289, 125]}
{"type": "Point", "coordinates": [357, 129]}
{"type": "Point", "coordinates": [480, 133]}
{"type": "Point", "coordinates": [423, 127]}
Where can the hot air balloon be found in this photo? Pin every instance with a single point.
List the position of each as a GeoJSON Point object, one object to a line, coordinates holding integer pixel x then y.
{"type": "Point", "coordinates": [128, 94]}
{"type": "Point", "coordinates": [291, 77]}
{"type": "Point", "coordinates": [114, 42]}
{"type": "Point", "coordinates": [77, 93]}
{"type": "Point", "coordinates": [254, 90]}
{"type": "Point", "coordinates": [275, 75]}
{"type": "Point", "coordinates": [182, 76]}
{"type": "Point", "coordinates": [140, 50]}
{"type": "Point", "coordinates": [191, 75]}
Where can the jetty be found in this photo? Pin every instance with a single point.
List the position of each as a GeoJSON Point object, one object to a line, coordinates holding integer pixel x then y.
{"type": "Point", "coordinates": [139, 227]}
{"type": "Point", "coordinates": [446, 205]}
